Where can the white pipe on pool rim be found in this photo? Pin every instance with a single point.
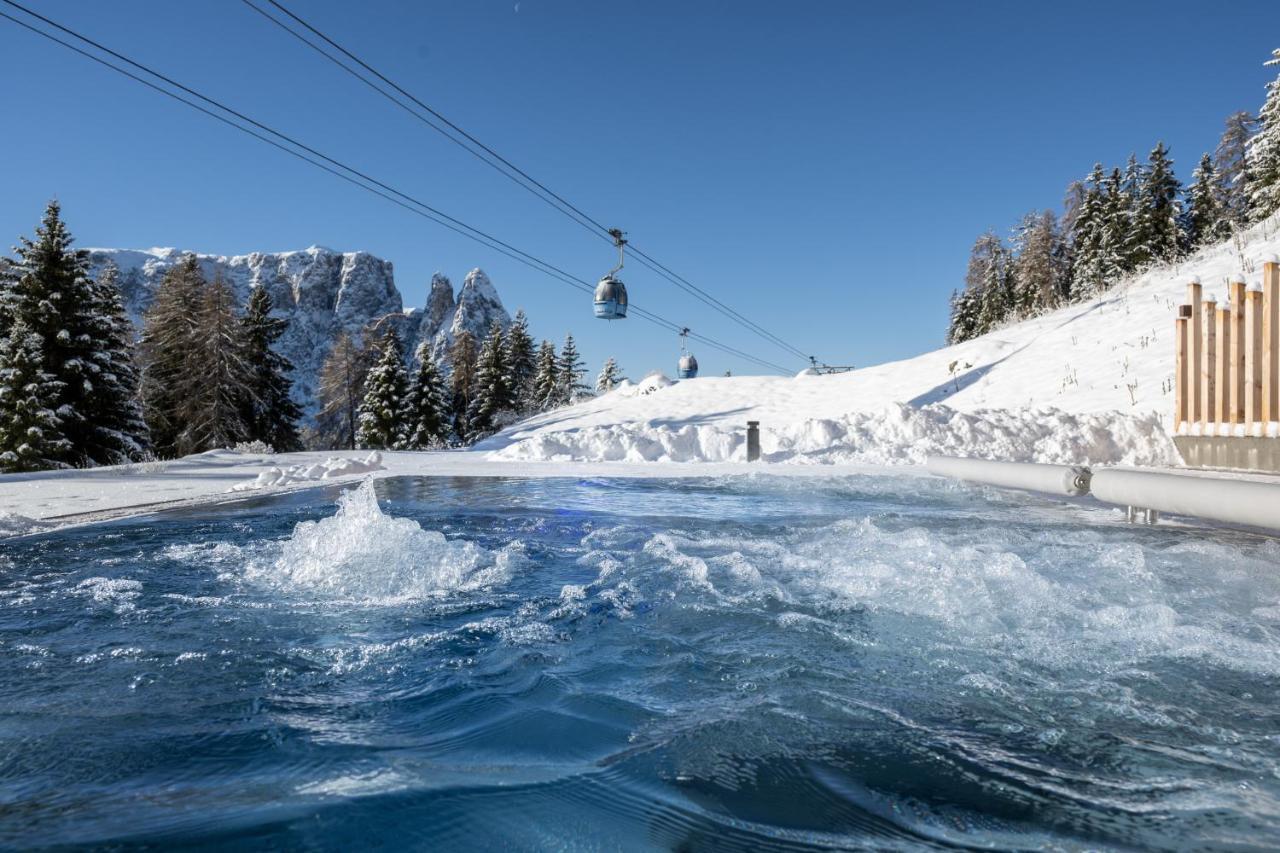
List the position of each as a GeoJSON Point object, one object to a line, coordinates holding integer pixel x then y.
{"type": "Point", "coordinates": [1070, 480]}
{"type": "Point", "coordinates": [1250, 502]}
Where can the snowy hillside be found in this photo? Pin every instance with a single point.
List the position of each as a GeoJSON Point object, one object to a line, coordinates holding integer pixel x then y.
{"type": "Point", "coordinates": [322, 293]}
{"type": "Point", "coordinates": [1091, 382]}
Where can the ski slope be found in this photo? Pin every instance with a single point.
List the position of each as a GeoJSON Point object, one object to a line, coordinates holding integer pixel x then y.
{"type": "Point", "coordinates": [1089, 383]}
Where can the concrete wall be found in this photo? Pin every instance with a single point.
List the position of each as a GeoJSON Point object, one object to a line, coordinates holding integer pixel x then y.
{"type": "Point", "coordinates": [1253, 454]}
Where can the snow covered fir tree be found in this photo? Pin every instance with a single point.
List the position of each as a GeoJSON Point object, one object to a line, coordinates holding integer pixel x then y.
{"type": "Point", "coordinates": [1119, 221]}
{"type": "Point", "coordinates": [381, 422]}
{"type": "Point", "coordinates": [67, 380]}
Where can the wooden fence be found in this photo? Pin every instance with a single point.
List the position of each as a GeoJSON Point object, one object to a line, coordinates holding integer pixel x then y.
{"type": "Point", "coordinates": [1227, 378]}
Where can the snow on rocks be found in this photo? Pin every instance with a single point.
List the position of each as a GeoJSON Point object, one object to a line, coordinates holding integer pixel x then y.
{"type": "Point", "coordinates": [334, 466]}
{"type": "Point", "coordinates": [896, 435]}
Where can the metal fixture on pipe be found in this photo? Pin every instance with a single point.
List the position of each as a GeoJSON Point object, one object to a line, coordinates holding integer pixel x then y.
{"type": "Point", "coordinates": [1070, 480]}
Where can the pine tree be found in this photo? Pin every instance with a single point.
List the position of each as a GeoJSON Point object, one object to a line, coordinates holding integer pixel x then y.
{"type": "Point", "coordinates": [571, 371]}
{"type": "Point", "coordinates": [1264, 153]}
{"type": "Point", "coordinates": [425, 410]}
{"type": "Point", "coordinates": [211, 415]}
{"type": "Point", "coordinates": [117, 430]}
{"type": "Point", "coordinates": [270, 414]}
{"type": "Point", "coordinates": [546, 381]}
{"type": "Point", "coordinates": [1159, 211]}
{"type": "Point", "coordinates": [1086, 235]}
{"type": "Point", "coordinates": [521, 364]}
{"type": "Point", "coordinates": [462, 357]}
{"type": "Point", "coordinates": [1112, 227]}
{"type": "Point", "coordinates": [1204, 221]}
{"type": "Point", "coordinates": [965, 307]}
{"type": "Point", "coordinates": [381, 421]}
{"type": "Point", "coordinates": [51, 296]}
{"type": "Point", "coordinates": [1131, 247]}
{"type": "Point", "coordinates": [610, 376]}
{"type": "Point", "coordinates": [1230, 160]}
{"type": "Point", "coordinates": [341, 390]}
{"type": "Point", "coordinates": [31, 435]}
{"type": "Point", "coordinates": [493, 403]}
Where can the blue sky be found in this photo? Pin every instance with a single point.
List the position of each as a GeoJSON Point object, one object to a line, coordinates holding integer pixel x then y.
{"type": "Point", "coordinates": [822, 167]}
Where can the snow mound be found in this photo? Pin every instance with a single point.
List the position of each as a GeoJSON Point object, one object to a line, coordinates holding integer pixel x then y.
{"type": "Point", "coordinates": [334, 466]}
{"type": "Point", "coordinates": [362, 554]}
{"type": "Point", "coordinates": [655, 381]}
{"type": "Point", "coordinates": [896, 435]}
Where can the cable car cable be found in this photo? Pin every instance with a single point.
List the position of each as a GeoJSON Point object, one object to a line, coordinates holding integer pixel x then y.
{"type": "Point", "coordinates": [405, 201]}
{"type": "Point", "coordinates": [524, 179]}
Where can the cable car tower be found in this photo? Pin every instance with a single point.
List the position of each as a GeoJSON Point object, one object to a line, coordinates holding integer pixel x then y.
{"type": "Point", "coordinates": [611, 293]}
{"type": "Point", "coordinates": [687, 367]}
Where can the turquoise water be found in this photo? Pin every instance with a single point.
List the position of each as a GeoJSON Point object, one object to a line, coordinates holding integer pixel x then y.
{"type": "Point", "coordinates": [738, 663]}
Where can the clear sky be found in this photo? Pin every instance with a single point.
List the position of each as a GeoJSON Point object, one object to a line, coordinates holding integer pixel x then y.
{"type": "Point", "coordinates": [823, 167]}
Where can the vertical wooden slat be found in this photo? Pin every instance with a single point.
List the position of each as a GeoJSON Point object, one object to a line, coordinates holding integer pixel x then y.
{"type": "Point", "coordinates": [1222, 367]}
{"type": "Point", "coordinates": [1181, 393]}
{"type": "Point", "coordinates": [1235, 369]}
{"type": "Point", "coordinates": [1253, 360]}
{"type": "Point", "coordinates": [1208, 399]}
{"type": "Point", "coordinates": [1271, 341]}
{"type": "Point", "coordinates": [1195, 352]}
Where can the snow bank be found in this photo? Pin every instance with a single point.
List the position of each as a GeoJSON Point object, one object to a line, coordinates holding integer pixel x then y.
{"type": "Point", "coordinates": [334, 466]}
{"type": "Point", "coordinates": [896, 435]}
{"type": "Point", "coordinates": [1089, 383]}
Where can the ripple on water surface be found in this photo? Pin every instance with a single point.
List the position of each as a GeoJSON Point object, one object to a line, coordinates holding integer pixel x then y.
{"type": "Point", "coordinates": [747, 662]}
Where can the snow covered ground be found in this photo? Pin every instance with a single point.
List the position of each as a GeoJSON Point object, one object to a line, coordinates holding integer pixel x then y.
{"type": "Point", "coordinates": [1089, 383]}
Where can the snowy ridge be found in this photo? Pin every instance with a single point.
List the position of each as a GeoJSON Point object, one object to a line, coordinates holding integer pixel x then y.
{"type": "Point", "coordinates": [323, 294]}
{"type": "Point", "coordinates": [1088, 383]}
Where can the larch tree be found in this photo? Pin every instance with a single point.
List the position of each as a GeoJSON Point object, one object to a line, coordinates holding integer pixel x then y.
{"type": "Point", "coordinates": [341, 390]}
{"type": "Point", "coordinates": [380, 423]}
{"type": "Point", "coordinates": [426, 411]}
{"type": "Point", "coordinates": [211, 415]}
{"type": "Point", "coordinates": [990, 270]}
{"type": "Point", "coordinates": [169, 353]}
{"type": "Point", "coordinates": [1264, 153]}
{"type": "Point", "coordinates": [462, 357]}
{"type": "Point", "coordinates": [1230, 161]}
{"type": "Point", "coordinates": [1036, 266]}
{"type": "Point", "coordinates": [270, 414]}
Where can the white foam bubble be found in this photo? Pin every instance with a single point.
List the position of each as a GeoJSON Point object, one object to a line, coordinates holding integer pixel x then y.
{"type": "Point", "coordinates": [361, 554]}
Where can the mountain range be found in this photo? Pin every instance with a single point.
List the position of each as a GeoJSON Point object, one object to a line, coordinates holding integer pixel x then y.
{"type": "Point", "coordinates": [322, 294]}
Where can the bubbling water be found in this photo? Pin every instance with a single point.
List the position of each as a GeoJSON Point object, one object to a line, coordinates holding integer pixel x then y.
{"type": "Point", "coordinates": [360, 554]}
